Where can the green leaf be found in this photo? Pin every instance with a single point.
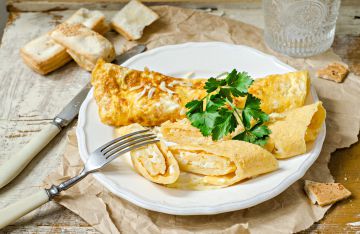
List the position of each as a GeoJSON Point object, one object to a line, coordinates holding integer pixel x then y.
{"type": "Point", "coordinates": [260, 131]}
{"type": "Point", "coordinates": [252, 111]}
{"type": "Point", "coordinates": [261, 141]}
{"type": "Point", "coordinates": [239, 83]}
{"type": "Point", "coordinates": [258, 135]}
{"type": "Point", "coordinates": [218, 119]}
{"type": "Point", "coordinates": [204, 121]}
{"type": "Point", "coordinates": [226, 93]}
{"type": "Point", "coordinates": [212, 84]}
{"type": "Point", "coordinates": [194, 106]}
{"type": "Point", "coordinates": [225, 123]}
{"type": "Point", "coordinates": [231, 77]}
{"type": "Point", "coordinates": [214, 102]}
{"type": "Point", "coordinates": [245, 136]}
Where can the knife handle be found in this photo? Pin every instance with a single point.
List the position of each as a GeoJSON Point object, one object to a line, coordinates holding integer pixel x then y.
{"type": "Point", "coordinates": [13, 212]}
{"type": "Point", "coordinates": [16, 163]}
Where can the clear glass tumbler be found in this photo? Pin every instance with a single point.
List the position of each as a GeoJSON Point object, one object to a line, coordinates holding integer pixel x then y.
{"type": "Point", "coordinates": [300, 28]}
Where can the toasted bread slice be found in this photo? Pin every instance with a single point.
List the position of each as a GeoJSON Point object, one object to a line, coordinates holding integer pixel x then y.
{"type": "Point", "coordinates": [131, 20]}
{"type": "Point", "coordinates": [84, 45]}
{"type": "Point", "coordinates": [44, 55]}
{"type": "Point", "coordinates": [94, 20]}
{"type": "Point", "coordinates": [325, 193]}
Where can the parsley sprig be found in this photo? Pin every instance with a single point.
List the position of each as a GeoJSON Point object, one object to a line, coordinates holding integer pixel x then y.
{"type": "Point", "coordinates": [216, 115]}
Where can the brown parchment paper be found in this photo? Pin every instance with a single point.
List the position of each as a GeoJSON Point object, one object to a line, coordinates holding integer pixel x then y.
{"type": "Point", "coordinates": [289, 212]}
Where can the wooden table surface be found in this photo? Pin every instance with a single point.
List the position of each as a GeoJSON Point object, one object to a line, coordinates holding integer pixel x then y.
{"type": "Point", "coordinates": [28, 103]}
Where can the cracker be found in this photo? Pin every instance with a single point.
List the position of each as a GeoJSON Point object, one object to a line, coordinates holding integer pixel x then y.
{"type": "Point", "coordinates": [131, 20]}
{"type": "Point", "coordinates": [325, 193]}
{"type": "Point", "coordinates": [335, 71]}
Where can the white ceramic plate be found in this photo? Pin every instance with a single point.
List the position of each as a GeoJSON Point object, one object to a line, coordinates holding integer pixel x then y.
{"type": "Point", "coordinates": [205, 60]}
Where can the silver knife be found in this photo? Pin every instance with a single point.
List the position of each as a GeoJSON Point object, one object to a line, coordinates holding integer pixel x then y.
{"type": "Point", "coordinates": [13, 166]}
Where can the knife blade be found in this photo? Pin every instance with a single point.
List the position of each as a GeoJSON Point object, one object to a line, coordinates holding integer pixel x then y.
{"type": "Point", "coordinates": [128, 54]}
{"type": "Point", "coordinates": [16, 163]}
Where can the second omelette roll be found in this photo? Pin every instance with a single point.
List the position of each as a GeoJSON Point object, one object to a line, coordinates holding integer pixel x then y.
{"type": "Point", "coordinates": [225, 163]}
{"type": "Point", "coordinates": [154, 162]}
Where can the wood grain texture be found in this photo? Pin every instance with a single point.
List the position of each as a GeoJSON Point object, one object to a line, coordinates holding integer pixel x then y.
{"type": "Point", "coordinates": [29, 101]}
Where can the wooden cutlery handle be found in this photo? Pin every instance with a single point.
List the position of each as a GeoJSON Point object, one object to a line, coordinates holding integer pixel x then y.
{"type": "Point", "coordinates": [13, 212]}
{"type": "Point", "coordinates": [13, 166]}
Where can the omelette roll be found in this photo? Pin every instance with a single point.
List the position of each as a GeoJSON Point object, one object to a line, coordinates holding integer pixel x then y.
{"type": "Point", "coordinates": [125, 96]}
{"type": "Point", "coordinates": [224, 163]}
{"type": "Point", "coordinates": [190, 135]}
{"type": "Point", "coordinates": [299, 126]}
{"type": "Point", "coordinates": [154, 162]}
{"type": "Point", "coordinates": [279, 93]}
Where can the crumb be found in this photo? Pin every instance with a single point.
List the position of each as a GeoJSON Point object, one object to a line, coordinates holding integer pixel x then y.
{"type": "Point", "coordinates": [345, 178]}
{"type": "Point", "coordinates": [334, 71]}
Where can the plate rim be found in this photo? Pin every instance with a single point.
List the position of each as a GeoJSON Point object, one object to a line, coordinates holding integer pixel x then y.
{"type": "Point", "coordinates": [199, 210]}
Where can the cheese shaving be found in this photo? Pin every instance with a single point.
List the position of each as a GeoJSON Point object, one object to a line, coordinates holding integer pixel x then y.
{"type": "Point", "coordinates": [136, 87]}
{"type": "Point", "coordinates": [142, 93]}
{"type": "Point", "coordinates": [181, 83]}
{"type": "Point", "coordinates": [151, 92]}
{"type": "Point", "coordinates": [165, 89]}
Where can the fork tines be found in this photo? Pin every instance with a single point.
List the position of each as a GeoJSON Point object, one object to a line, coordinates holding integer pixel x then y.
{"type": "Point", "coordinates": [127, 143]}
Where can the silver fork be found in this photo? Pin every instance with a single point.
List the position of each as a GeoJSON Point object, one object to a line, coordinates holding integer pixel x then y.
{"type": "Point", "coordinates": [97, 160]}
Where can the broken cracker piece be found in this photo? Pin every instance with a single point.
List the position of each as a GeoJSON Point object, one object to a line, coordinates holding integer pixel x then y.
{"type": "Point", "coordinates": [131, 20]}
{"type": "Point", "coordinates": [325, 193]}
{"type": "Point", "coordinates": [334, 71]}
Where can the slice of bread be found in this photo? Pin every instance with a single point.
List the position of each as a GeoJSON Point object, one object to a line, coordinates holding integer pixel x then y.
{"type": "Point", "coordinates": [131, 20]}
{"type": "Point", "coordinates": [84, 45]}
{"type": "Point", "coordinates": [325, 193]}
{"type": "Point", "coordinates": [91, 19]}
{"type": "Point", "coordinates": [44, 55]}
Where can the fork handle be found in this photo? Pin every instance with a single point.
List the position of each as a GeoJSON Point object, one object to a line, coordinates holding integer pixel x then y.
{"type": "Point", "coordinates": [13, 212]}
{"type": "Point", "coordinates": [15, 164]}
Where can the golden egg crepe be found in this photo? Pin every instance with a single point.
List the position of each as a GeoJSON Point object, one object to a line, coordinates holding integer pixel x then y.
{"type": "Point", "coordinates": [191, 181]}
{"type": "Point", "coordinates": [299, 126]}
{"type": "Point", "coordinates": [226, 162]}
{"type": "Point", "coordinates": [279, 93]}
{"type": "Point", "coordinates": [188, 133]}
{"type": "Point", "coordinates": [182, 132]}
{"type": "Point", "coordinates": [126, 96]}
{"type": "Point", "coordinates": [154, 162]}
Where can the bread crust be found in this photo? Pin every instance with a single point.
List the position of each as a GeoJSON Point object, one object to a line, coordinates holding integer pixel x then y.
{"type": "Point", "coordinates": [57, 55]}
{"type": "Point", "coordinates": [131, 20]}
{"type": "Point", "coordinates": [84, 45]}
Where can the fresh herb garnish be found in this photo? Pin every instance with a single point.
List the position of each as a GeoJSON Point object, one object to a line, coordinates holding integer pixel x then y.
{"type": "Point", "coordinates": [216, 115]}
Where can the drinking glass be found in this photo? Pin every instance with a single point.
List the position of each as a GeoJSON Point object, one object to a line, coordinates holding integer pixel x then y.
{"type": "Point", "coordinates": [300, 28]}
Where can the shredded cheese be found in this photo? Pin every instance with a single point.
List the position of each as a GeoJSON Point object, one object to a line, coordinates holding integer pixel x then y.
{"type": "Point", "coordinates": [136, 87]}
{"type": "Point", "coordinates": [181, 83]}
{"type": "Point", "coordinates": [151, 92]}
{"type": "Point", "coordinates": [165, 89]}
{"type": "Point", "coordinates": [189, 74]}
{"type": "Point", "coordinates": [142, 93]}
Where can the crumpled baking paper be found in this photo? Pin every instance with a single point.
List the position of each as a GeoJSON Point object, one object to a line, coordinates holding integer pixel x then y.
{"type": "Point", "coordinates": [289, 212]}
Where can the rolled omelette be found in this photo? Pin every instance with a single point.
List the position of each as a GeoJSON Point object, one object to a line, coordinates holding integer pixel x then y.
{"type": "Point", "coordinates": [224, 163]}
{"type": "Point", "coordinates": [154, 162]}
{"type": "Point", "coordinates": [125, 96]}
{"type": "Point", "coordinates": [281, 92]}
{"type": "Point", "coordinates": [299, 126]}
{"type": "Point", "coordinates": [182, 132]}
